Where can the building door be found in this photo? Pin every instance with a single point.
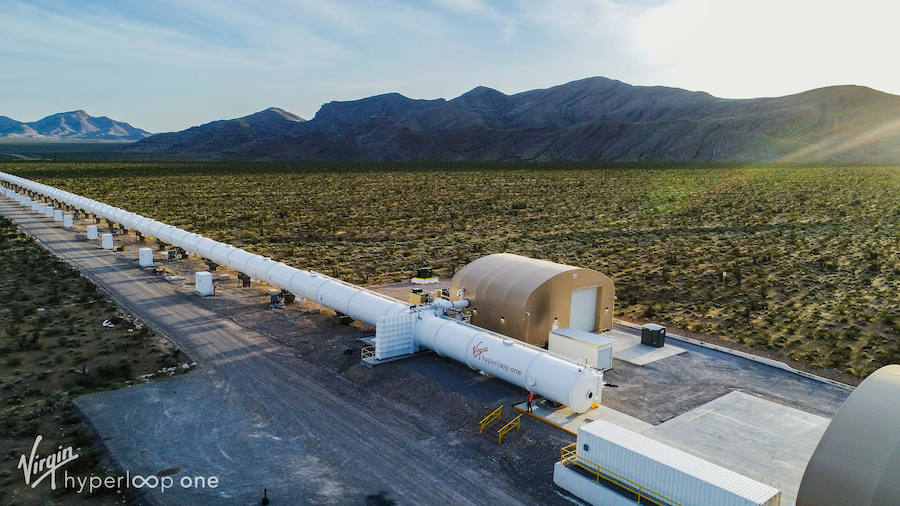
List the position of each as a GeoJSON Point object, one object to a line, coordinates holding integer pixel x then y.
{"type": "Point", "coordinates": [582, 314]}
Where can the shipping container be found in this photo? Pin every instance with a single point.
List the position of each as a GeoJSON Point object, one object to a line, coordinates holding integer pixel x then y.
{"type": "Point", "coordinates": [667, 471]}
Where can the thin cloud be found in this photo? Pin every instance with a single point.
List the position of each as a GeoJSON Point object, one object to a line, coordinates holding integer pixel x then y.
{"type": "Point", "coordinates": [169, 64]}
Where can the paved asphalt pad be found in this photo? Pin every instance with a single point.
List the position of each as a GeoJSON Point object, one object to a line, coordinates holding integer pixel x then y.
{"type": "Point", "coordinates": [187, 428]}
{"type": "Point", "coordinates": [764, 440]}
{"type": "Point", "coordinates": [300, 416]}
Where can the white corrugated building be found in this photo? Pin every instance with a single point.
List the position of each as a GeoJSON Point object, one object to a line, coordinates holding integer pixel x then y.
{"type": "Point", "coordinates": [666, 474]}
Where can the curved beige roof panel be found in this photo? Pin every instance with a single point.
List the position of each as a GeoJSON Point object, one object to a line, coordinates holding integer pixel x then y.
{"type": "Point", "coordinates": [858, 459]}
{"type": "Point", "coordinates": [524, 297]}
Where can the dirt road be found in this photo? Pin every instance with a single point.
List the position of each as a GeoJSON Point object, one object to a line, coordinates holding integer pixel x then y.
{"type": "Point", "coordinates": [324, 440]}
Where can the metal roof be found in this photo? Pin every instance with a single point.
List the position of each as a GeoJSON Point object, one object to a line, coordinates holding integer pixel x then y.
{"type": "Point", "coordinates": [722, 478]}
{"type": "Point", "coordinates": [519, 296]}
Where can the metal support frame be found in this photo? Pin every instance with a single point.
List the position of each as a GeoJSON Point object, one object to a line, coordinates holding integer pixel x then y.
{"type": "Point", "coordinates": [514, 424]}
{"type": "Point", "coordinates": [495, 415]}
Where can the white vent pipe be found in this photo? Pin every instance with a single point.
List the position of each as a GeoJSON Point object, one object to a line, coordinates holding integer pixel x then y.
{"type": "Point", "coordinates": [524, 365]}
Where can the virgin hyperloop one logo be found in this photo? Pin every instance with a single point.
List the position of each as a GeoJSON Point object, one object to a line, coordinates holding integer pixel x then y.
{"type": "Point", "coordinates": [479, 349]}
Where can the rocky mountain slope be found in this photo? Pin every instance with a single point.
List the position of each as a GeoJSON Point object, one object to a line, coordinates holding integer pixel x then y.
{"type": "Point", "coordinates": [590, 119]}
{"type": "Point", "coordinates": [74, 125]}
{"type": "Point", "coordinates": [223, 135]}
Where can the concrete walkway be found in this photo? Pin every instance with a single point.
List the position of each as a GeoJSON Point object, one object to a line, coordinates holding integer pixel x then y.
{"type": "Point", "coordinates": [628, 347]}
{"type": "Point", "coordinates": [768, 442]}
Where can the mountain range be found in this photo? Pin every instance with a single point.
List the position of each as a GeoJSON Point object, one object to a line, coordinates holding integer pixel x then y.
{"type": "Point", "coordinates": [586, 120]}
{"type": "Point", "coordinates": [74, 125]}
{"type": "Point", "coordinates": [594, 119]}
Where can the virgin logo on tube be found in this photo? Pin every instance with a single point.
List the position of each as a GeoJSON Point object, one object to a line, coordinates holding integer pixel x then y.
{"type": "Point", "coordinates": [479, 349]}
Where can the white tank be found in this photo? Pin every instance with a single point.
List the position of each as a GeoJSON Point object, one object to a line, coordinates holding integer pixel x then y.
{"type": "Point", "coordinates": [511, 360]}
{"type": "Point", "coordinates": [92, 233]}
{"type": "Point", "coordinates": [68, 221]}
{"type": "Point", "coordinates": [145, 257]}
{"type": "Point", "coordinates": [106, 241]}
{"type": "Point", "coordinates": [48, 211]}
{"type": "Point", "coordinates": [524, 365]}
{"type": "Point", "coordinates": [57, 215]}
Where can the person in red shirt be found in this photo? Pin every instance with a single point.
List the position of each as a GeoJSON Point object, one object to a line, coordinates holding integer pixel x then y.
{"type": "Point", "coordinates": [530, 400]}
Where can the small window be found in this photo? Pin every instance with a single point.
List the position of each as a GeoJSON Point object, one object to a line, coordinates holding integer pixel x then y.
{"type": "Point", "coordinates": [586, 447]}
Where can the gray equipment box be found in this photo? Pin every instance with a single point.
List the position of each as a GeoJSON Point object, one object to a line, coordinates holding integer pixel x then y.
{"type": "Point", "coordinates": [653, 335]}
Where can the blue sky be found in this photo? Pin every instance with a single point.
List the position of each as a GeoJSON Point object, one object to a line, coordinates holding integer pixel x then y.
{"type": "Point", "coordinates": [166, 65]}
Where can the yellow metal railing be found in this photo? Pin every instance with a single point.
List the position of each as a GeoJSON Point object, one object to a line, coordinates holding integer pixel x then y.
{"type": "Point", "coordinates": [495, 415]}
{"type": "Point", "coordinates": [515, 423]}
{"type": "Point", "coordinates": [568, 454]}
{"type": "Point", "coordinates": [545, 420]}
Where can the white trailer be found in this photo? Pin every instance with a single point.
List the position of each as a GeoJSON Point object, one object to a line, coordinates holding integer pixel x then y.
{"type": "Point", "coordinates": [656, 470]}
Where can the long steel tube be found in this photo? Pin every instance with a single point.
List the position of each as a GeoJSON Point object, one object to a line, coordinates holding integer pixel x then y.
{"type": "Point", "coordinates": [524, 365]}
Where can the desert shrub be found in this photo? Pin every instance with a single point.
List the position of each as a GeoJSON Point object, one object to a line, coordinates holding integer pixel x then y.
{"type": "Point", "coordinates": [820, 240]}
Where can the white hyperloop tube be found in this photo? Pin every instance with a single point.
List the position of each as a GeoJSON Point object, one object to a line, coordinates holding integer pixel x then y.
{"type": "Point", "coordinates": [511, 360]}
{"type": "Point", "coordinates": [521, 364]}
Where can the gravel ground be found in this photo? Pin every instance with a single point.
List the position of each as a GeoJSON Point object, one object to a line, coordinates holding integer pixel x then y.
{"type": "Point", "coordinates": [282, 399]}
{"type": "Point", "coordinates": [318, 428]}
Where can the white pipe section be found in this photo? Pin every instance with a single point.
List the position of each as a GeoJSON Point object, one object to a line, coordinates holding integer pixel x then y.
{"type": "Point", "coordinates": [448, 304]}
{"type": "Point", "coordinates": [521, 364]}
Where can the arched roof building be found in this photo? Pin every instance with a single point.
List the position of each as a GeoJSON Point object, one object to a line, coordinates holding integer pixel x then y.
{"type": "Point", "coordinates": [525, 298]}
{"type": "Point", "coordinates": [857, 460]}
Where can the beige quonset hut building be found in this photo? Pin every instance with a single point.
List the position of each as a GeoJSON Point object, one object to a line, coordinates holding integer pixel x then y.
{"type": "Point", "coordinates": [525, 298]}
